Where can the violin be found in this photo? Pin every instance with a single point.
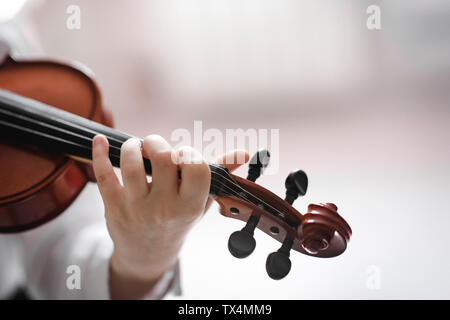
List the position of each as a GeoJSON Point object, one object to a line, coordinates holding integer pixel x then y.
{"type": "Point", "coordinates": [49, 115]}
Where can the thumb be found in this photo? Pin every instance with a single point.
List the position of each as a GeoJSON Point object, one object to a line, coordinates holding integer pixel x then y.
{"type": "Point", "coordinates": [233, 159]}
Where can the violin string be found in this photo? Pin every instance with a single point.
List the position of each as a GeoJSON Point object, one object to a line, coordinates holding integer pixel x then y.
{"type": "Point", "coordinates": [43, 113]}
{"type": "Point", "coordinates": [49, 137]}
{"type": "Point", "coordinates": [44, 135]}
{"type": "Point", "coordinates": [215, 182]}
{"type": "Point", "coordinates": [281, 214]}
{"type": "Point", "coordinates": [234, 192]}
{"type": "Point", "coordinates": [47, 128]}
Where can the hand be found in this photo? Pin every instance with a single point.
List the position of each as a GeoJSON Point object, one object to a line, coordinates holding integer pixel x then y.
{"type": "Point", "coordinates": [149, 221]}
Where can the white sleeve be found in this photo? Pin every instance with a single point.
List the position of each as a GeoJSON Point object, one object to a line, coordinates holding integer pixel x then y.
{"type": "Point", "coordinates": [68, 258]}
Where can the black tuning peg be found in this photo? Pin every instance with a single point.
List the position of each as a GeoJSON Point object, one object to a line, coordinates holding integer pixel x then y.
{"type": "Point", "coordinates": [296, 185]}
{"type": "Point", "coordinates": [278, 263]}
{"type": "Point", "coordinates": [257, 164]}
{"type": "Point", "coordinates": [241, 243]}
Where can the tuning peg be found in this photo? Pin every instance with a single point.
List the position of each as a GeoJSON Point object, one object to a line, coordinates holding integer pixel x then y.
{"type": "Point", "coordinates": [296, 185]}
{"type": "Point", "coordinates": [257, 164]}
{"type": "Point", "coordinates": [278, 263]}
{"type": "Point", "coordinates": [241, 243]}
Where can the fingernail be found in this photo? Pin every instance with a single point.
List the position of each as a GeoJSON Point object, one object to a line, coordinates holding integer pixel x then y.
{"type": "Point", "coordinates": [98, 141]}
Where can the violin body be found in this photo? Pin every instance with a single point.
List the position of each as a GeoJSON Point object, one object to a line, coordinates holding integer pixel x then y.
{"type": "Point", "coordinates": [37, 185]}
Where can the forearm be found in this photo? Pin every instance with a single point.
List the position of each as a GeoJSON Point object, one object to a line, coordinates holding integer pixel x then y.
{"type": "Point", "coordinates": [125, 285]}
{"type": "Point", "coordinates": [139, 273]}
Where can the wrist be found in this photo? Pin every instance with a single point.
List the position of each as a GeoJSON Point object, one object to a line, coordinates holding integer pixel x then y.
{"type": "Point", "coordinates": [144, 270]}
{"type": "Point", "coordinates": [128, 282]}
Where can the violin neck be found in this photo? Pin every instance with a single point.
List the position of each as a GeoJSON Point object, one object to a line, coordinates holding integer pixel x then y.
{"type": "Point", "coordinates": [32, 122]}
{"type": "Point", "coordinates": [36, 123]}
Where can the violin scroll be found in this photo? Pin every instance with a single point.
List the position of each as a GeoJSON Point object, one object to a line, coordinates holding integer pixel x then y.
{"type": "Point", "coordinates": [321, 232]}
{"type": "Point", "coordinates": [324, 232]}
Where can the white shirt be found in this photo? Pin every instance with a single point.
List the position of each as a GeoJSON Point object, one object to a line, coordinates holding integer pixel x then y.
{"type": "Point", "coordinates": [45, 259]}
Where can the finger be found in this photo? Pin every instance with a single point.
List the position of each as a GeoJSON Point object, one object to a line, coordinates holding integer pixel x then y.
{"type": "Point", "coordinates": [195, 175]}
{"type": "Point", "coordinates": [164, 167]}
{"type": "Point", "coordinates": [132, 168]}
{"type": "Point", "coordinates": [107, 181]}
{"type": "Point", "coordinates": [233, 160]}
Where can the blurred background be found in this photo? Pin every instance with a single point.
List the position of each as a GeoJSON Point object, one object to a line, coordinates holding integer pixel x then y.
{"type": "Point", "coordinates": [364, 112]}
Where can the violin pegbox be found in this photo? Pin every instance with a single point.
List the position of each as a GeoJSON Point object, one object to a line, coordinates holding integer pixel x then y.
{"type": "Point", "coordinates": [321, 232]}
